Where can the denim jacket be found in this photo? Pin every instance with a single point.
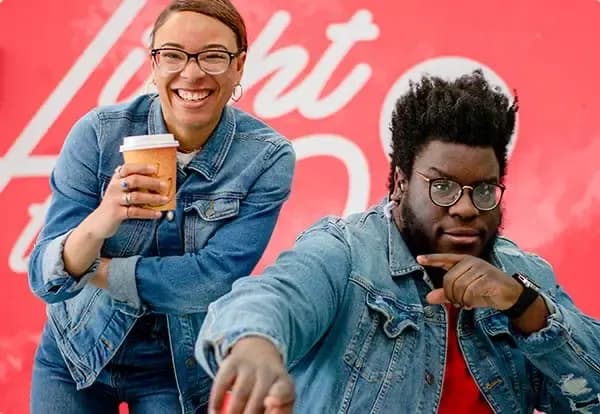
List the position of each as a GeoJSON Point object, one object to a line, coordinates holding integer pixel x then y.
{"type": "Point", "coordinates": [346, 308]}
{"type": "Point", "coordinates": [228, 200]}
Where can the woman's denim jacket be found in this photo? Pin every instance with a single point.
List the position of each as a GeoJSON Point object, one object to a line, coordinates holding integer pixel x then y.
{"type": "Point", "coordinates": [346, 309]}
{"type": "Point", "coordinates": [228, 200]}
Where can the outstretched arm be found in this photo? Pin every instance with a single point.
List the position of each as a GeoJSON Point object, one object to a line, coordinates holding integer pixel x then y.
{"type": "Point", "coordinates": [289, 308]}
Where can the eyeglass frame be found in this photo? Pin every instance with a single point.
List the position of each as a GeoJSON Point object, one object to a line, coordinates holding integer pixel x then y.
{"type": "Point", "coordinates": [195, 56]}
{"type": "Point", "coordinates": [431, 181]}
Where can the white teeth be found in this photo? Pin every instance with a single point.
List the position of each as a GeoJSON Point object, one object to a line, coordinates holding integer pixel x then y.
{"type": "Point", "coordinates": [193, 96]}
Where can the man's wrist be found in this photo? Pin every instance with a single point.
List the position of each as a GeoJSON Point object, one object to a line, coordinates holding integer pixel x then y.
{"type": "Point", "coordinates": [529, 292]}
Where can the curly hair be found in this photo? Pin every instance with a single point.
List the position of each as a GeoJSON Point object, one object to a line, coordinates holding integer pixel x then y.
{"type": "Point", "coordinates": [467, 111]}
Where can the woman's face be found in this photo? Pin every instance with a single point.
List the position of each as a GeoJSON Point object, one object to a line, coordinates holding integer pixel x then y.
{"type": "Point", "coordinates": [192, 101]}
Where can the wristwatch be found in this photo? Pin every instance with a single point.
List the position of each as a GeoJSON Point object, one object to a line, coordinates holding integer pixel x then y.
{"type": "Point", "coordinates": [530, 293]}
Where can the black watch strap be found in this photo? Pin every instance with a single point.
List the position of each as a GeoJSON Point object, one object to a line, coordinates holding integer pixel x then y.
{"type": "Point", "coordinates": [528, 296]}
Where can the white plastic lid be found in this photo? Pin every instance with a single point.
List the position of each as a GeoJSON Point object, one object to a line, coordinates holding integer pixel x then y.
{"type": "Point", "coordinates": [138, 142]}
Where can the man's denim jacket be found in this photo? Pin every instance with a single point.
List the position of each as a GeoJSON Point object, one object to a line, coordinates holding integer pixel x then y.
{"type": "Point", "coordinates": [228, 200]}
{"type": "Point", "coordinates": [346, 309]}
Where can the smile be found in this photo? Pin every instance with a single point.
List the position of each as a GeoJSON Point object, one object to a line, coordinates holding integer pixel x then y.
{"type": "Point", "coordinates": [193, 96]}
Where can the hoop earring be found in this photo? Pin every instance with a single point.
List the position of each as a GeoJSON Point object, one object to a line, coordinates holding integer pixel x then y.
{"type": "Point", "coordinates": [150, 87]}
{"type": "Point", "coordinates": [238, 92]}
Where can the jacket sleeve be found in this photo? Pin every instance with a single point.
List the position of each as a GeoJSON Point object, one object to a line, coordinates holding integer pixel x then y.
{"type": "Point", "coordinates": [232, 252]}
{"type": "Point", "coordinates": [567, 353]}
{"type": "Point", "coordinates": [292, 304]}
{"type": "Point", "coordinates": [75, 194]}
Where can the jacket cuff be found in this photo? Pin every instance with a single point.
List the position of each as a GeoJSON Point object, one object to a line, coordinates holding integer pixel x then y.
{"type": "Point", "coordinates": [54, 274]}
{"type": "Point", "coordinates": [210, 353]}
{"type": "Point", "coordinates": [122, 284]}
{"type": "Point", "coordinates": [554, 335]}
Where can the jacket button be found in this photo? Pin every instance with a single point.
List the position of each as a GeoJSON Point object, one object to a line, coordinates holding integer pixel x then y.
{"type": "Point", "coordinates": [170, 215]}
{"type": "Point", "coordinates": [428, 311]}
{"type": "Point", "coordinates": [190, 362]}
{"type": "Point", "coordinates": [429, 378]}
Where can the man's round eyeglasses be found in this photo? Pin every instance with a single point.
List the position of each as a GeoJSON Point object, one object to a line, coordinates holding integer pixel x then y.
{"type": "Point", "coordinates": [444, 192]}
{"type": "Point", "coordinates": [212, 62]}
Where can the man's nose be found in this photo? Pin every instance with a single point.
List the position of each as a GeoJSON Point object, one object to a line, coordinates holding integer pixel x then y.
{"type": "Point", "coordinates": [464, 207]}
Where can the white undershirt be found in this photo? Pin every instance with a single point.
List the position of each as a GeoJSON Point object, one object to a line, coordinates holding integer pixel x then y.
{"type": "Point", "coordinates": [184, 158]}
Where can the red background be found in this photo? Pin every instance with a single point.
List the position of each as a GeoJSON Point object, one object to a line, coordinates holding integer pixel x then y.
{"type": "Point", "coordinates": [546, 50]}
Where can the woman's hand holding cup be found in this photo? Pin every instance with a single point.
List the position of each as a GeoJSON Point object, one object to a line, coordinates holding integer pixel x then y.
{"type": "Point", "coordinates": [130, 194]}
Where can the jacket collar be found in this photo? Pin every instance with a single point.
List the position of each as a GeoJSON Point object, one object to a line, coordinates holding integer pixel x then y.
{"type": "Point", "coordinates": [209, 161]}
{"type": "Point", "coordinates": [401, 260]}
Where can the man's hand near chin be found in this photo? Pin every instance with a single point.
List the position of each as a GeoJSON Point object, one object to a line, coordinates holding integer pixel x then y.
{"type": "Point", "coordinates": [471, 282]}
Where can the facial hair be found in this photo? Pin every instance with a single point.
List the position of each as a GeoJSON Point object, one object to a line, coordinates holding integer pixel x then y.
{"type": "Point", "coordinates": [418, 243]}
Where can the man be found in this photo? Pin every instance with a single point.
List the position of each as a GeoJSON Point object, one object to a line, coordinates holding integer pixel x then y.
{"type": "Point", "coordinates": [416, 305]}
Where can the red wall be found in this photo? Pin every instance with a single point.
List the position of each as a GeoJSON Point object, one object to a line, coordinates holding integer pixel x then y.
{"type": "Point", "coordinates": [325, 74]}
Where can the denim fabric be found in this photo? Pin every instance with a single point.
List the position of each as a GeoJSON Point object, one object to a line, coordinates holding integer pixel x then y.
{"type": "Point", "coordinates": [141, 374]}
{"type": "Point", "coordinates": [346, 308]}
{"type": "Point", "coordinates": [228, 200]}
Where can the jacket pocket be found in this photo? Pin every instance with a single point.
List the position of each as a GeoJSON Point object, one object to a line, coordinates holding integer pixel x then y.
{"type": "Point", "coordinates": [383, 339]}
{"type": "Point", "coordinates": [73, 314]}
{"type": "Point", "coordinates": [204, 216]}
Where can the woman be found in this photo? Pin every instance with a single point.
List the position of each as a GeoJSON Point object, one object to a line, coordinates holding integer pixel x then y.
{"type": "Point", "coordinates": [127, 286]}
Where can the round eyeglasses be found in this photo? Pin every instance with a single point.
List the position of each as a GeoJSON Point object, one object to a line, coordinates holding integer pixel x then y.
{"type": "Point", "coordinates": [444, 192]}
{"type": "Point", "coordinates": [212, 62]}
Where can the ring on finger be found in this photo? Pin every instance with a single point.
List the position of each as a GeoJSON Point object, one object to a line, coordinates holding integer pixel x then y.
{"type": "Point", "coordinates": [124, 184]}
{"type": "Point", "coordinates": [127, 211]}
{"type": "Point", "coordinates": [118, 171]}
{"type": "Point", "coordinates": [127, 199]}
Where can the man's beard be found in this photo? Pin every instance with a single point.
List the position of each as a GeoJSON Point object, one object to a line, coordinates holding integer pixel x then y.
{"type": "Point", "coordinates": [416, 239]}
{"type": "Point", "coordinates": [418, 243]}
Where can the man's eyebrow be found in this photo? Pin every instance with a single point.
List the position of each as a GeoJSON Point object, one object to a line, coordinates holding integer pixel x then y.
{"type": "Point", "coordinates": [441, 173]}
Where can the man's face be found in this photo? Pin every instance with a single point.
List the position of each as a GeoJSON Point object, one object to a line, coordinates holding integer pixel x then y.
{"type": "Point", "coordinates": [460, 228]}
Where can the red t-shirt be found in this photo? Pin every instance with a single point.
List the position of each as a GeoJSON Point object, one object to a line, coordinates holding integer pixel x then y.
{"type": "Point", "coordinates": [460, 393]}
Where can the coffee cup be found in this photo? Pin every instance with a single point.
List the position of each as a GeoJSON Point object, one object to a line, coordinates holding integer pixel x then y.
{"type": "Point", "coordinates": [159, 150]}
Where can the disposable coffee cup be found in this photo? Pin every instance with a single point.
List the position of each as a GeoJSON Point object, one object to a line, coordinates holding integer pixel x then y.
{"type": "Point", "coordinates": [160, 150]}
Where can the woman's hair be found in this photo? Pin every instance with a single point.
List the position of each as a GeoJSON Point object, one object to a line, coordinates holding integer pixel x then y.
{"type": "Point", "coordinates": [222, 10]}
{"type": "Point", "coordinates": [466, 111]}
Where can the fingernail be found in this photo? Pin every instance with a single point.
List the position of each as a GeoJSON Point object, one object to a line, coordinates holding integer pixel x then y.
{"type": "Point", "coordinates": [164, 199]}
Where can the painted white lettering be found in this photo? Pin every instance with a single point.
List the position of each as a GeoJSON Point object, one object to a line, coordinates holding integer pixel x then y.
{"type": "Point", "coordinates": [284, 65]}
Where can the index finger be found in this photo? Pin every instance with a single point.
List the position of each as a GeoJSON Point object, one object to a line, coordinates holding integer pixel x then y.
{"type": "Point", "coordinates": [443, 260]}
{"type": "Point", "coordinates": [222, 383]}
{"type": "Point", "coordinates": [137, 168]}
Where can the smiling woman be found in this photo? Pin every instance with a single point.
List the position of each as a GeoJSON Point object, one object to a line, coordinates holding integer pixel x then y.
{"type": "Point", "coordinates": [197, 62]}
{"type": "Point", "coordinates": [128, 286]}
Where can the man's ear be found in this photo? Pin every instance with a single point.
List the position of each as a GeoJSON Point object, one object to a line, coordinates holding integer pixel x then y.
{"type": "Point", "coordinates": [399, 185]}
